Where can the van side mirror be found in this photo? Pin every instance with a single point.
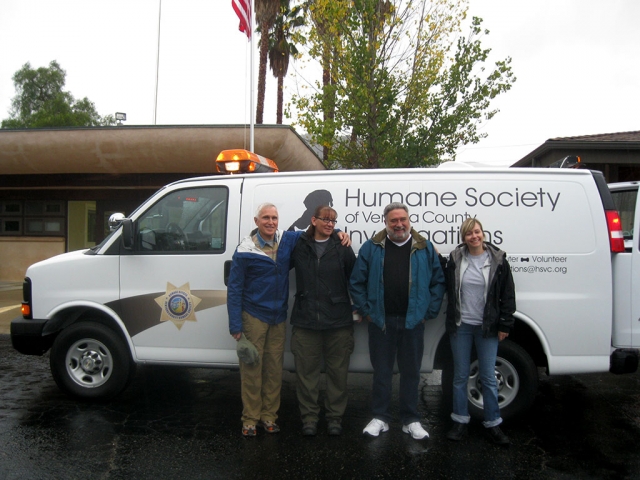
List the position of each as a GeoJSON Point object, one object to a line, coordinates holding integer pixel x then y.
{"type": "Point", "coordinates": [127, 233]}
{"type": "Point", "coordinates": [115, 220]}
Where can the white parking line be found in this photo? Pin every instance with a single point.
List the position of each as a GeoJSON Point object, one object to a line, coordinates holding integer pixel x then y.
{"type": "Point", "coordinates": [11, 307]}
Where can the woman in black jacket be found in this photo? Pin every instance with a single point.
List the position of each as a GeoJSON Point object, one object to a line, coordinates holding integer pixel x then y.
{"type": "Point", "coordinates": [481, 302]}
{"type": "Point", "coordinates": [322, 320]}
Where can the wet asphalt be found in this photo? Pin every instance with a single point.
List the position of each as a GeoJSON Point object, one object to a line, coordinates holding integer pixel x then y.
{"type": "Point", "coordinates": [185, 423]}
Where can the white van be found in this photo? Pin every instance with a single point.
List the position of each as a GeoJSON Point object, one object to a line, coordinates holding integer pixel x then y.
{"type": "Point", "coordinates": [154, 291]}
{"type": "Point", "coordinates": [626, 269]}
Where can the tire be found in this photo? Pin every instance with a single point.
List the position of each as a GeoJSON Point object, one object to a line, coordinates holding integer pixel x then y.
{"type": "Point", "coordinates": [517, 378]}
{"type": "Point", "coordinates": [90, 361]}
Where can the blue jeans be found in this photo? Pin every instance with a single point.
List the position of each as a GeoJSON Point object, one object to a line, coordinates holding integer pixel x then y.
{"type": "Point", "coordinates": [487, 349]}
{"type": "Point", "coordinates": [384, 347]}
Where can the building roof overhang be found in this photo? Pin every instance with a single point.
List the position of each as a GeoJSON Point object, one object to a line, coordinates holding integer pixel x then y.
{"type": "Point", "coordinates": [188, 149]}
{"type": "Point", "coordinates": [613, 141]}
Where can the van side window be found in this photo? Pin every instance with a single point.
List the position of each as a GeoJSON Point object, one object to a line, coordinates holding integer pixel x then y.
{"type": "Point", "coordinates": [625, 201]}
{"type": "Point", "coordinates": [190, 220]}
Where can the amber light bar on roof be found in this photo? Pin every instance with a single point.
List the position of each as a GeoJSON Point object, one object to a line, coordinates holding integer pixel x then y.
{"type": "Point", "coordinates": [243, 161]}
{"type": "Point", "coordinates": [571, 161]}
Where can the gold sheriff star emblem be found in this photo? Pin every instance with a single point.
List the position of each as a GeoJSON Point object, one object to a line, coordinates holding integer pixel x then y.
{"type": "Point", "coordinates": [178, 305]}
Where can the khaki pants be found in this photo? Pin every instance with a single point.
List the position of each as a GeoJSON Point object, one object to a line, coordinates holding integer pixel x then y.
{"type": "Point", "coordinates": [310, 348]}
{"type": "Point", "coordinates": [261, 383]}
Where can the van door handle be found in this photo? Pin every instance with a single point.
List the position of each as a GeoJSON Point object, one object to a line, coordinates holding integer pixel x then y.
{"type": "Point", "coordinates": [227, 271]}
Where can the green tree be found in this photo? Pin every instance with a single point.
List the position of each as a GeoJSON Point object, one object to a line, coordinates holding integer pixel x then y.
{"type": "Point", "coordinates": [41, 102]}
{"type": "Point", "coordinates": [403, 87]}
{"type": "Point", "coordinates": [326, 45]}
{"type": "Point", "coordinates": [282, 47]}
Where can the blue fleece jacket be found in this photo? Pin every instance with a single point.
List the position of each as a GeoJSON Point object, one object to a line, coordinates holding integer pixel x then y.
{"type": "Point", "coordinates": [259, 285]}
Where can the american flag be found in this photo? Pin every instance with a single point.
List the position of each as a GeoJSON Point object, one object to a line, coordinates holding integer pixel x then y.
{"type": "Point", "coordinates": [243, 10]}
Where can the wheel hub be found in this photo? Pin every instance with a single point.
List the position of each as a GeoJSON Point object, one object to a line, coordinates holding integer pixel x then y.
{"type": "Point", "coordinates": [91, 362]}
{"type": "Point", "coordinates": [499, 380]}
{"type": "Point", "coordinates": [507, 383]}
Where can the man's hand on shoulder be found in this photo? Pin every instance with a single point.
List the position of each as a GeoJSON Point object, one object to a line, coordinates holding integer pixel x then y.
{"type": "Point", "coordinates": [344, 239]}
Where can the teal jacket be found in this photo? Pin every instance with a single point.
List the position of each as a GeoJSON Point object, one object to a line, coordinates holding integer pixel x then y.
{"type": "Point", "coordinates": [426, 281]}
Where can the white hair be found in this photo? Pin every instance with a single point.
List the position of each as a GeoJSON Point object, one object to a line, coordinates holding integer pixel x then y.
{"type": "Point", "coordinates": [262, 206]}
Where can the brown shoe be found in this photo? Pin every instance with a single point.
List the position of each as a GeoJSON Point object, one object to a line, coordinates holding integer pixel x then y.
{"type": "Point", "coordinates": [269, 427]}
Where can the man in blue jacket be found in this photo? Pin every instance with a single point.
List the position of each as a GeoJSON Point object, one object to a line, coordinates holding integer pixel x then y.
{"type": "Point", "coordinates": [257, 303]}
{"type": "Point", "coordinates": [396, 285]}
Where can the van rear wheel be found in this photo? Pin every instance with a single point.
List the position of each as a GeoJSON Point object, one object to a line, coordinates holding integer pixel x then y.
{"type": "Point", "coordinates": [516, 377]}
{"type": "Point", "coordinates": [90, 361]}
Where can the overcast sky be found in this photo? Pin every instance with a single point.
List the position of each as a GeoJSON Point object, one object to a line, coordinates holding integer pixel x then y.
{"type": "Point", "coordinates": [576, 63]}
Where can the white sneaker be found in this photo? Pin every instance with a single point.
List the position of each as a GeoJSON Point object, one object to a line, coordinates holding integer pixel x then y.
{"type": "Point", "coordinates": [375, 427]}
{"type": "Point", "coordinates": [416, 430]}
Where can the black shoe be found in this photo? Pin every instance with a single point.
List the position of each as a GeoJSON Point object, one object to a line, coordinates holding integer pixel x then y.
{"type": "Point", "coordinates": [309, 429]}
{"type": "Point", "coordinates": [497, 437]}
{"type": "Point", "coordinates": [458, 431]}
{"type": "Point", "coordinates": [334, 428]}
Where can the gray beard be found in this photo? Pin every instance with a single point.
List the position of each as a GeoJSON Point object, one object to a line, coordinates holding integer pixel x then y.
{"type": "Point", "coordinates": [393, 235]}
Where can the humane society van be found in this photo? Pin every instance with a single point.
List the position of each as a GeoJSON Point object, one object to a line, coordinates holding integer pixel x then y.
{"type": "Point", "coordinates": [154, 292]}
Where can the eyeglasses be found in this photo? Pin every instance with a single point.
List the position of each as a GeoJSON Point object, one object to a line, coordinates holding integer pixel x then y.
{"type": "Point", "coordinates": [328, 220]}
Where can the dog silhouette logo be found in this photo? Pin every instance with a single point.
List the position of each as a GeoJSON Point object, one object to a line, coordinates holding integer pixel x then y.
{"type": "Point", "coordinates": [311, 202]}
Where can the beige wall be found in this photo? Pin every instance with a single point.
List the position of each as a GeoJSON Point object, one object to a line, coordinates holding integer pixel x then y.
{"type": "Point", "coordinates": [17, 253]}
{"type": "Point", "coordinates": [78, 227]}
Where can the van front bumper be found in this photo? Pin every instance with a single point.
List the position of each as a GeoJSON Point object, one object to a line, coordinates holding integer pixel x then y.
{"type": "Point", "coordinates": [27, 338]}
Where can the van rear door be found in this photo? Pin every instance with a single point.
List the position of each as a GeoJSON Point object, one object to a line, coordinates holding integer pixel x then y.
{"type": "Point", "coordinates": [626, 269]}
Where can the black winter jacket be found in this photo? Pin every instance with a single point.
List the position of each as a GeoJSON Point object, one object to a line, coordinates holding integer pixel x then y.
{"type": "Point", "coordinates": [500, 299]}
{"type": "Point", "coordinates": [322, 298]}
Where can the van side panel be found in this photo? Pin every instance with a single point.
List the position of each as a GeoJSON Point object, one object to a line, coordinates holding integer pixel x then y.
{"type": "Point", "coordinates": [68, 279]}
{"type": "Point", "coordinates": [550, 223]}
{"type": "Point", "coordinates": [622, 336]}
{"type": "Point", "coordinates": [634, 284]}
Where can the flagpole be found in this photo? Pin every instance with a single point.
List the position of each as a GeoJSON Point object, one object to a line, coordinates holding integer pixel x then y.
{"type": "Point", "coordinates": [244, 10]}
{"type": "Point", "coordinates": [251, 81]}
{"type": "Point", "coordinates": [155, 103]}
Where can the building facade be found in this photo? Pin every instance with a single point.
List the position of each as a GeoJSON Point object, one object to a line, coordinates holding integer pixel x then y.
{"type": "Point", "coordinates": [58, 187]}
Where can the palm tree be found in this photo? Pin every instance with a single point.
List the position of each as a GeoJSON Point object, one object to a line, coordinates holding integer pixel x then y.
{"type": "Point", "coordinates": [266, 11]}
{"type": "Point", "coordinates": [282, 48]}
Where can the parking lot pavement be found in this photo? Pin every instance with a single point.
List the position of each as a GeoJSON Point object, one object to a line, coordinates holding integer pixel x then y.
{"type": "Point", "coordinates": [10, 299]}
{"type": "Point", "coordinates": [185, 423]}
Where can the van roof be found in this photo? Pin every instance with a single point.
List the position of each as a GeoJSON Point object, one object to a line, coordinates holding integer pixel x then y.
{"type": "Point", "coordinates": [397, 171]}
{"type": "Point", "coordinates": [465, 165]}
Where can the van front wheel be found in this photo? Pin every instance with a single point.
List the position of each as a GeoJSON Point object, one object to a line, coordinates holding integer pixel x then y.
{"type": "Point", "coordinates": [516, 377]}
{"type": "Point", "coordinates": [90, 361]}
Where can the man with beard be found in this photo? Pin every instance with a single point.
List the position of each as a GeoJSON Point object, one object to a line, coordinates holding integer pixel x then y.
{"type": "Point", "coordinates": [397, 284]}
